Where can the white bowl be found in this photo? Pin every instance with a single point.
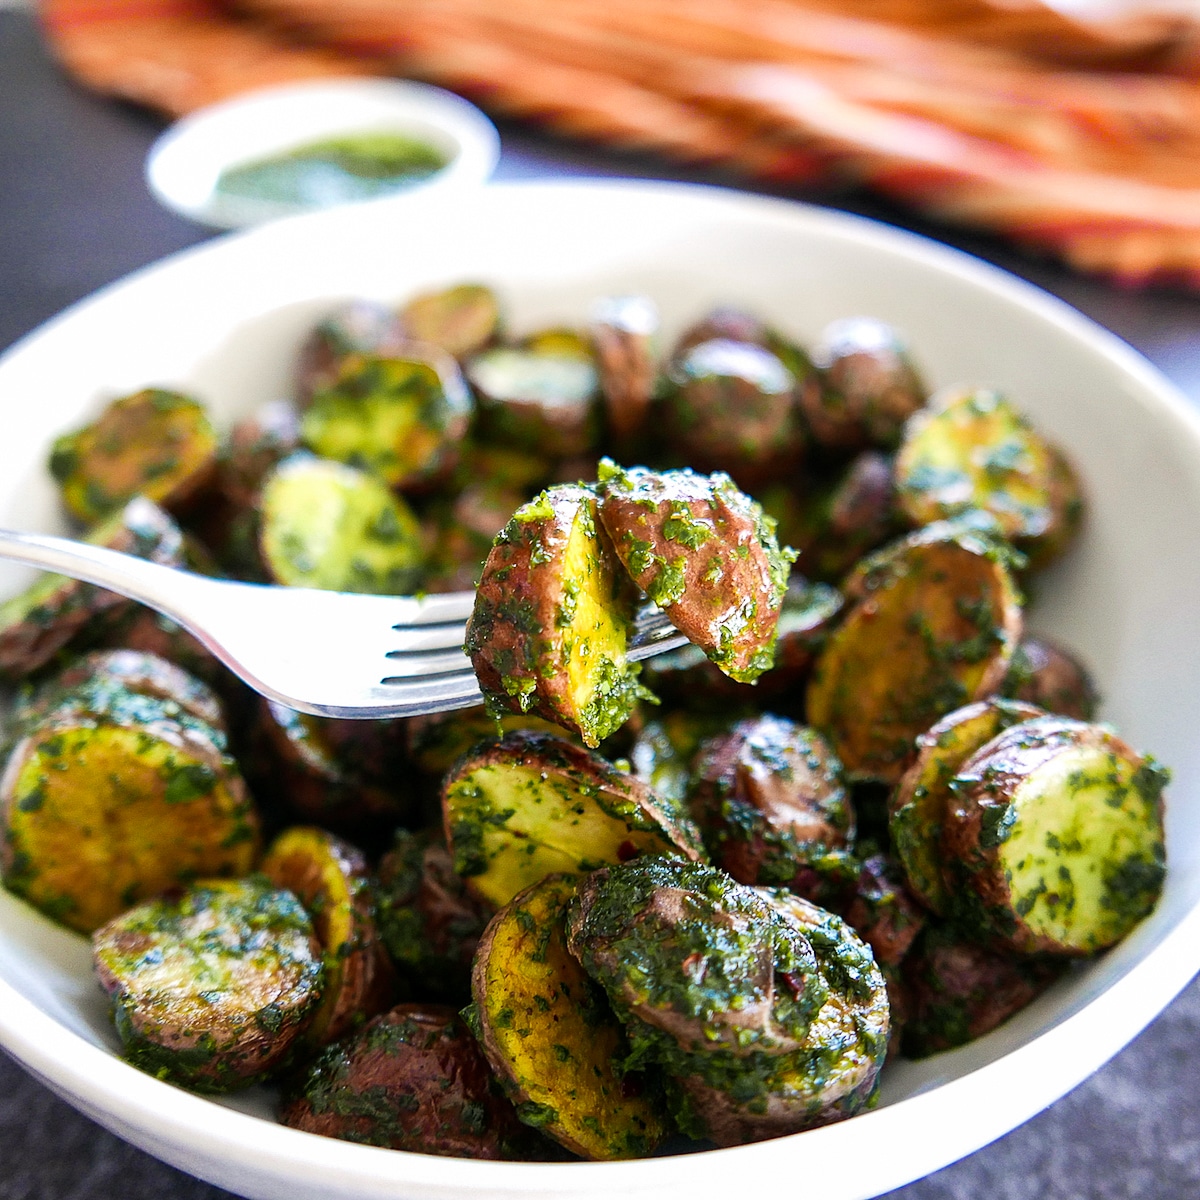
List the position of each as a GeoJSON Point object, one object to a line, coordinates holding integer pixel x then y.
{"type": "Point", "coordinates": [224, 321]}
{"type": "Point", "coordinates": [184, 164]}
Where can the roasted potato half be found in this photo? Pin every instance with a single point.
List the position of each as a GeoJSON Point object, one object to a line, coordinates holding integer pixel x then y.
{"type": "Point", "coordinates": [341, 773]}
{"type": "Point", "coordinates": [917, 805]}
{"type": "Point", "coordinates": [549, 1033]}
{"type": "Point", "coordinates": [869, 386]}
{"type": "Point", "coordinates": [40, 621]}
{"type": "Point", "coordinates": [154, 443]}
{"type": "Point", "coordinates": [213, 988]}
{"type": "Point", "coordinates": [428, 919]}
{"type": "Point", "coordinates": [972, 449]}
{"type": "Point", "coordinates": [115, 683]}
{"type": "Point", "coordinates": [461, 320]}
{"type": "Point", "coordinates": [689, 678]}
{"type": "Point", "coordinates": [552, 619]}
{"type": "Point", "coordinates": [724, 323]}
{"type": "Point", "coordinates": [882, 912]}
{"type": "Point", "coordinates": [331, 879]}
{"type": "Point", "coordinates": [956, 990]}
{"type": "Point", "coordinates": [411, 1079]}
{"type": "Point", "coordinates": [624, 331]}
{"type": "Point", "coordinates": [932, 624]}
{"type": "Point", "coordinates": [770, 800]}
{"type": "Point", "coordinates": [1053, 839]}
{"type": "Point", "coordinates": [542, 399]}
{"type": "Point", "coordinates": [355, 327]}
{"type": "Point", "coordinates": [844, 516]}
{"type": "Point", "coordinates": [532, 805]}
{"type": "Point", "coordinates": [706, 554]}
{"type": "Point", "coordinates": [767, 1014]}
{"type": "Point", "coordinates": [1045, 674]}
{"type": "Point", "coordinates": [111, 795]}
{"type": "Point", "coordinates": [327, 525]}
{"type": "Point", "coordinates": [731, 406]}
{"type": "Point", "coordinates": [401, 417]}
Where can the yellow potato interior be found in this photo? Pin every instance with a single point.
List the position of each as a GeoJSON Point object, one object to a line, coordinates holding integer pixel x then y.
{"type": "Point", "coordinates": [101, 818]}
{"type": "Point", "coordinates": [1083, 856]}
{"type": "Point", "coordinates": [551, 1035]}
{"type": "Point", "coordinates": [594, 639]}
{"type": "Point", "coordinates": [526, 822]}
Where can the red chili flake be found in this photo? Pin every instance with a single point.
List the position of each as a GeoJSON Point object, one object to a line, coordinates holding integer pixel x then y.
{"type": "Point", "coordinates": [625, 851]}
{"type": "Point", "coordinates": [795, 983]}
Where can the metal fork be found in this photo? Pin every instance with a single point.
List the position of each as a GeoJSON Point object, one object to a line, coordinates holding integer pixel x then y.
{"type": "Point", "coordinates": [334, 654]}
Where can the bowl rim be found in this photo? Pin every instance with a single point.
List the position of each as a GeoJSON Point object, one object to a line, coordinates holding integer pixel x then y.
{"type": "Point", "coordinates": [431, 110]}
{"type": "Point", "coordinates": [176, 1125]}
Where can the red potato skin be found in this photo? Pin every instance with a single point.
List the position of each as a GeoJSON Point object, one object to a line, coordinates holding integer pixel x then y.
{"type": "Point", "coordinates": [866, 394]}
{"type": "Point", "coordinates": [367, 984]}
{"type": "Point", "coordinates": [622, 335]}
{"type": "Point", "coordinates": [687, 678]}
{"type": "Point", "coordinates": [451, 919]}
{"type": "Point", "coordinates": [726, 423]}
{"type": "Point", "coordinates": [421, 1084]}
{"type": "Point", "coordinates": [883, 914]}
{"type": "Point", "coordinates": [856, 517]}
{"type": "Point", "coordinates": [726, 583]}
{"type": "Point", "coordinates": [1047, 675]}
{"type": "Point", "coordinates": [31, 644]}
{"type": "Point", "coordinates": [515, 631]}
{"type": "Point", "coordinates": [956, 990]}
{"type": "Point", "coordinates": [144, 673]}
{"type": "Point", "coordinates": [358, 775]}
{"type": "Point", "coordinates": [994, 772]}
{"type": "Point", "coordinates": [730, 324]}
{"type": "Point", "coordinates": [933, 767]}
{"type": "Point", "coordinates": [513, 582]}
{"type": "Point", "coordinates": [767, 794]}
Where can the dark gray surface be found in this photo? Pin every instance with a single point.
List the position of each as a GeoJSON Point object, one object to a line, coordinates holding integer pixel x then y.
{"type": "Point", "coordinates": [75, 214]}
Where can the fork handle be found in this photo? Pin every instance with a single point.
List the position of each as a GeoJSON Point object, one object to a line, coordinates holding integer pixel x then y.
{"type": "Point", "coordinates": [150, 583]}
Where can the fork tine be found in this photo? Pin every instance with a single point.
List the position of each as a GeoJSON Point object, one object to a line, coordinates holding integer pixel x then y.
{"type": "Point", "coordinates": [444, 609]}
{"type": "Point", "coordinates": [454, 690]}
{"type": "Point", "coordinates": [421, 639]}
{"type": "Point", "coordinates": [431, 663]}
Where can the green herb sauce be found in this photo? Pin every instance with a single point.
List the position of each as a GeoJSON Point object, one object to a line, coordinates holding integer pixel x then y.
{"type": "Point", "coordinates": [355, 166]}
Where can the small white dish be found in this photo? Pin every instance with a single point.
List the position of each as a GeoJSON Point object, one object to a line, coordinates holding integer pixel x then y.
{"type": "Point", "coordinates": [186, 162]}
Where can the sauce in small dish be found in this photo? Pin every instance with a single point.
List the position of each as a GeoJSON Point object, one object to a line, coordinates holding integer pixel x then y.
{"type": "Point", "coordinates": [284, 150]}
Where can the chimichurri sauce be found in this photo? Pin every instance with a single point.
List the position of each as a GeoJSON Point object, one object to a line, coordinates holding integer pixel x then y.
{"type": "Point", "coordinates": [357, 166]}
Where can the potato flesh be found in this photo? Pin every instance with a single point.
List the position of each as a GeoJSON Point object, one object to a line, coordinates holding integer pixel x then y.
{"type": "Point", "coordinates": [534, 822]}
{"type": "Point", "coordinates": [1081, 826]}
{"type": "Point", "coordinates": [400, 418]}
{"type": "Point", "coordinates": [550, 1037]}
{"type": "Point", "coordinates": [917, 808]}
{"type": "Point", "coordinates": [210, 990]}
{"type": "Point", "coordinates": [330, 879]}
{"type": "Point", "coordinates": [594, 639]}
{"type": "Point", "coordinates": [99, 818]}
{"type": "Point", "coordinates": [978, 452]}
{"type": "Point", "coordinates": [937, 630]}
{"type": "Point", "coordinates": [330, 526]}
{"type": "Point", "coordinates": [549, 628]}
{"type": "Point", "coordinates": [154, 443]}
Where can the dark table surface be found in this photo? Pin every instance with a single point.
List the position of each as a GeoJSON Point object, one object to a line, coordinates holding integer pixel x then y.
{"type": "Point", "coordinates": [75, 214]}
